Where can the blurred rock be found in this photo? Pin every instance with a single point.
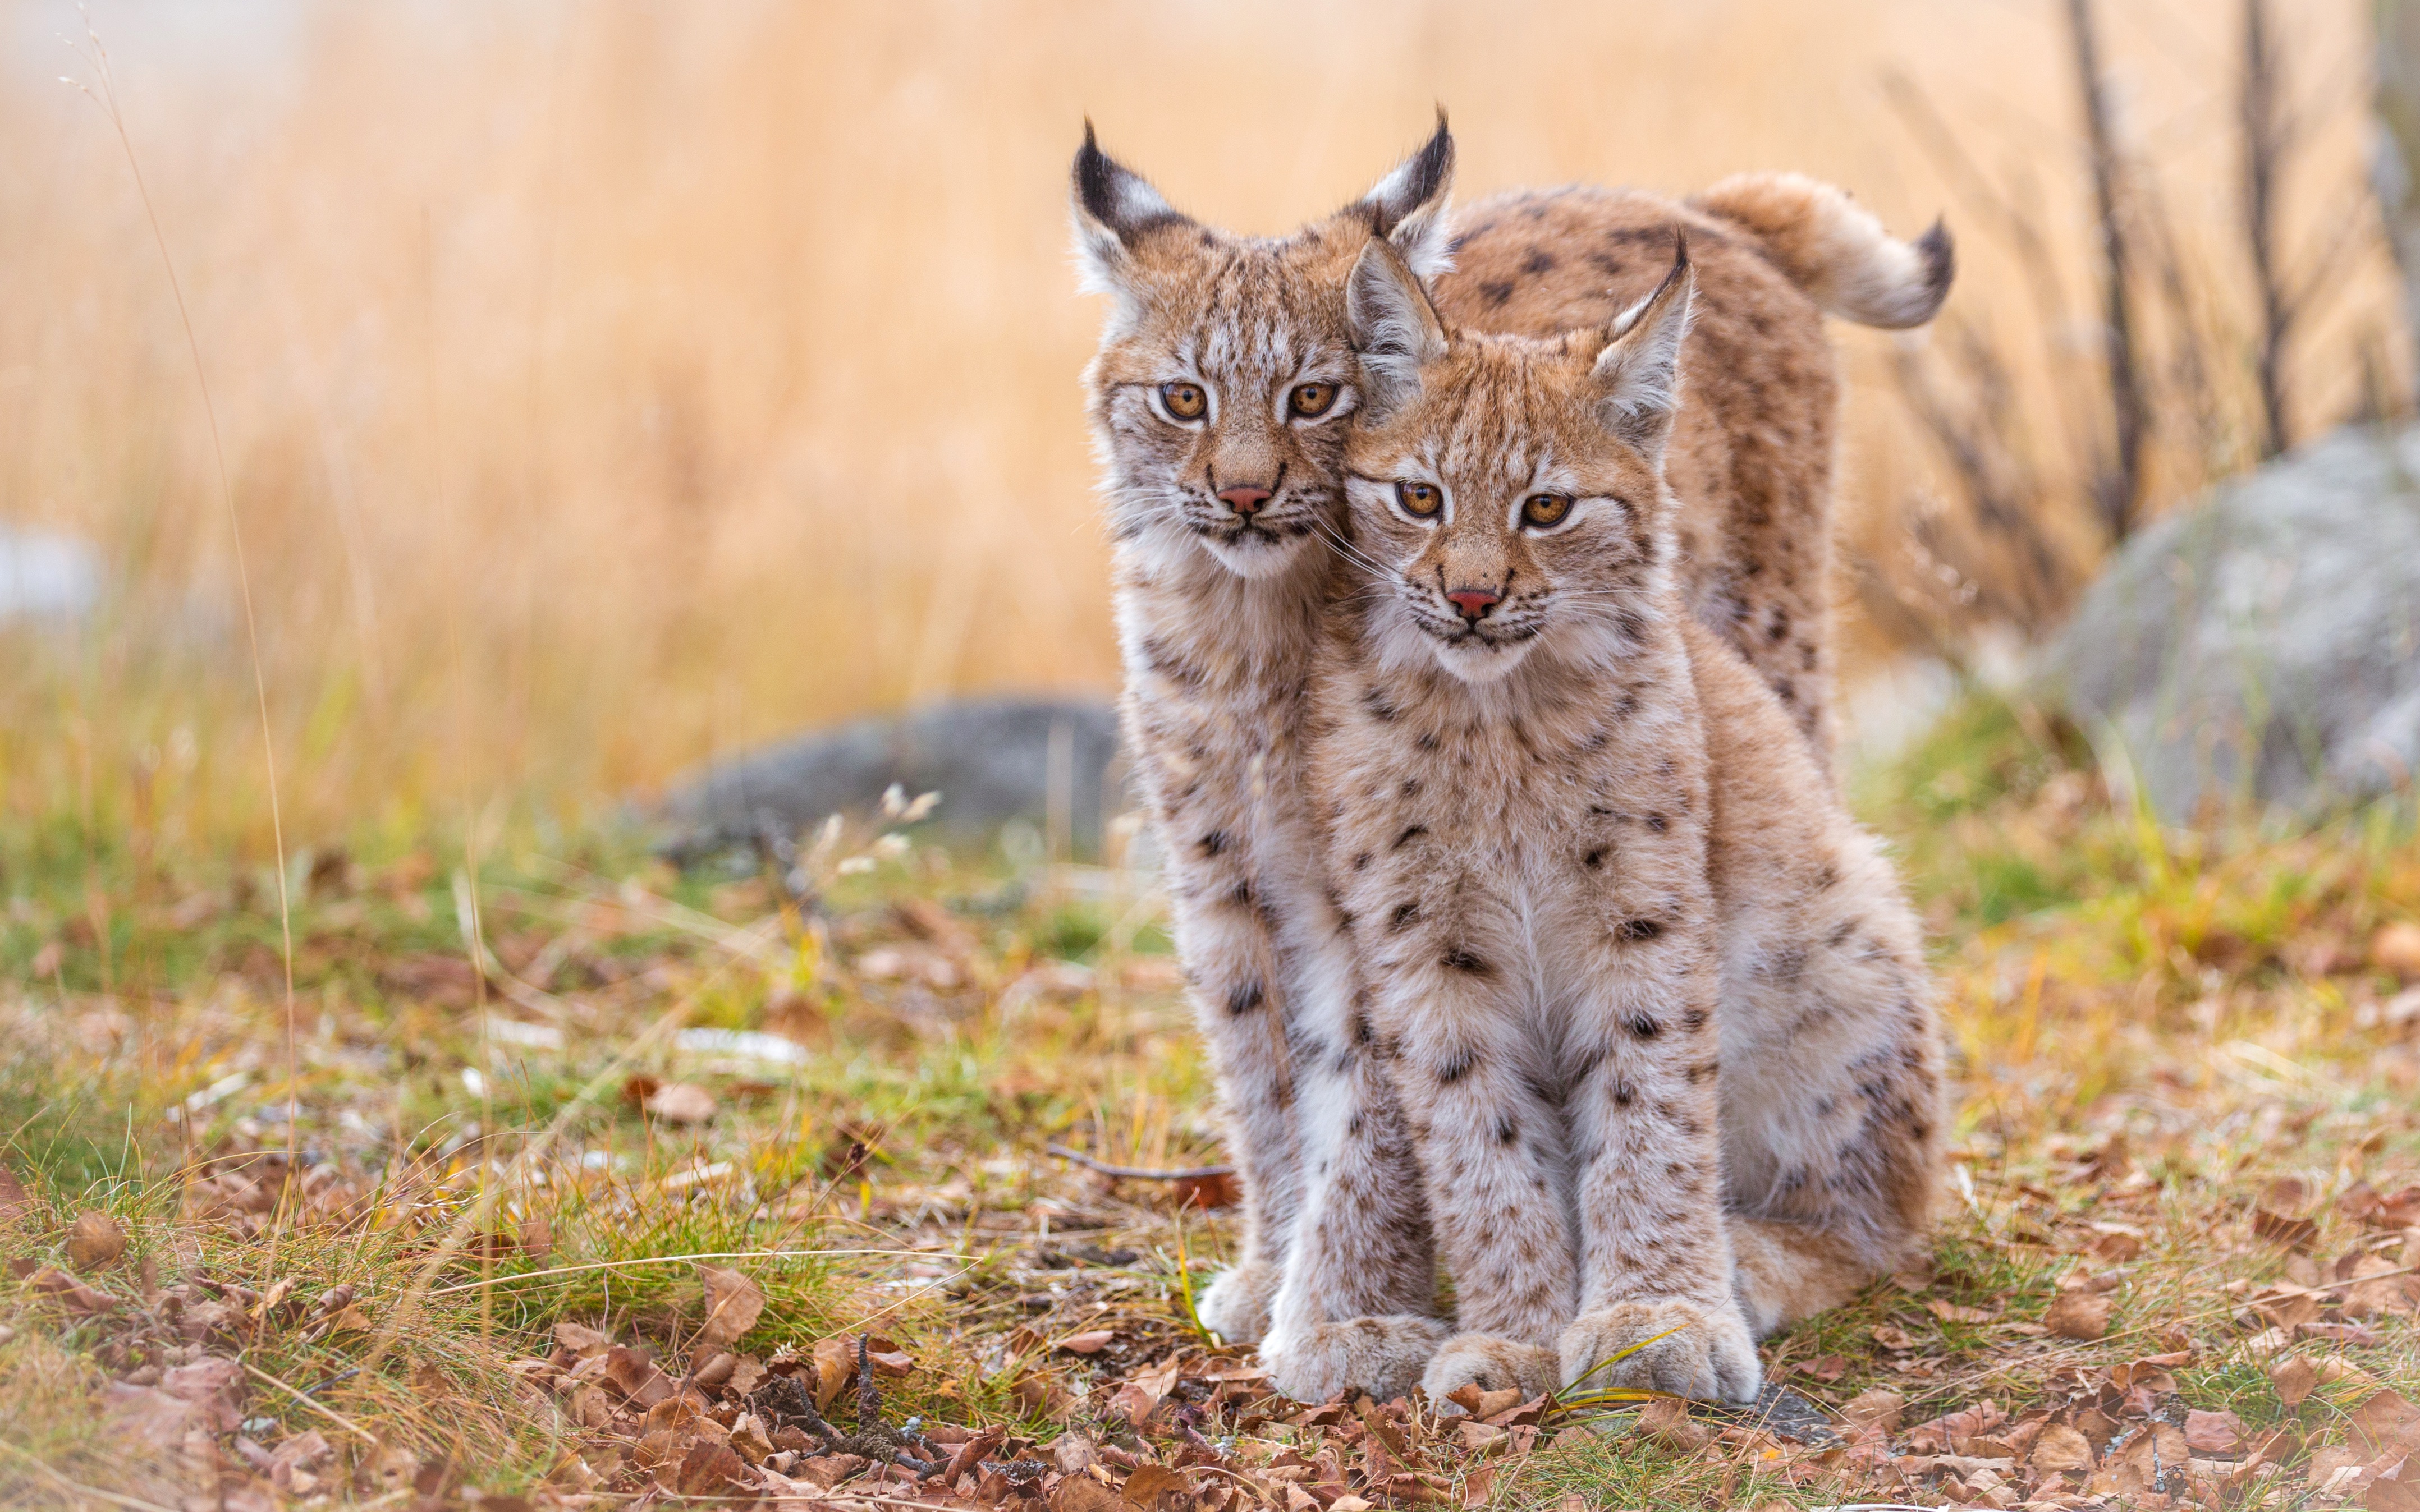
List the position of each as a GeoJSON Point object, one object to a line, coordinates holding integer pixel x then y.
{"type": "Point", "coordinates": [46, 576]}
{"type": "Point", "coordinates": [2265, 643]}
{"type": "Point", "coordinates": [995, 762]}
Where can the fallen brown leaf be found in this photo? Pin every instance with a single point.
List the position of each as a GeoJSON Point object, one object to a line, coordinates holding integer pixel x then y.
{"type": "Point", "coordinates": [71, 1293]}
{"type": "Point", "coordinates": [1878, 1407]}
{"type": "Point", "coordinates": [1950, 1312]}
{"type": "Point", "coordinates": [15, 1201]}
{"type": "Point", "coordinates": [1091, 1342]}
{"type": "Point", "coordinates": [2059, 1449]}
{"type": "Point", "coordinates": [2214, 1433]}
{"type": "Point", "coordinates": [1082, 1493]}
{"type": "Point", "coordinates": [1665, 1422]}
{"type": "Point", "coordinates": [681, 1102]}
{"type": "Point", "coordinates": [2079, 1315]}
{"type": "Point", "coordinates": [2294, 1379]}
{"type": "Point", "coordinates": [1147, 1484]}
{"type": "Point", "coordinates": [733, 1304]}
{"type": "Point", "coordinates": [711, 1469]}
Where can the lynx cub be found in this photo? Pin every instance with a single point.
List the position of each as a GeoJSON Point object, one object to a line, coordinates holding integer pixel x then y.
{"type": "Point", "coordinates": [1220, 399]}
{"type": "Point", "coordinates": [1653, 1006]}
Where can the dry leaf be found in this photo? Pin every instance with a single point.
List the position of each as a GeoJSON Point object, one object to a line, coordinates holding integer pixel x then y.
{"type": "Point", "coordinates": [834, 1368]}
{"type": "Point", "coordinates": [206, 1395]}
{"type": "Point", "coordinates": [634, 1375]}
{"type": "Point", "coordinates": [95, 1239]}
{"type": "Point", "coordinates": [1093, 1342]}
{"type": "Point", "coordinates": [1826, 1367]}
{"type": "Point", "coordinates": [1082, 1493]}
{"type": "Point", "coordinates": [733, 1304]}
{"type": "Point", "coordinates": [2079, 1315]}
{"type": "Point", "coordinates": [581, 1343]}
{"type": "Point", "coordinates": [2293, 1380]}
{"type": "Point", "coordinates": [2218, 1434]}
{"type": "Point", "coordinates": [1878, 1407]}
{"type": "Point", "coordinates": [1222, 1190]}
{"type": "Point", "coordinates": [15, 1201]}
{"type": "Point", "coordinates": [2384, 1419]}
{"type": "Point", "coordinates": [1950, 1312]}
{"type": "Point", "coordinates": [1665, 1422]}
{"type": "Point", "coordinates": [1147, 1484]}
{"type": "Point", "coordinates": [71, 1293]}
{"type": "Point", "coordinates": [711, 1469]}
{"type": "Point", "coordinates": [2060, 1448]}
{"type": "Point", "coordinates": [680, 1102]}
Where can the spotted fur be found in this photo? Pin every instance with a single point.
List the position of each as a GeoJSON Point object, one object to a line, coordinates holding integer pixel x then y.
{"type": "Point", "coordinates": [1219, 614]}
{"type": "Point", "coordinates": [1656, 1011]}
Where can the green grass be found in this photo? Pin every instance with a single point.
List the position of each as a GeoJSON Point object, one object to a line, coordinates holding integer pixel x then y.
{"type": "Point", "coordinates": [2195, 995]}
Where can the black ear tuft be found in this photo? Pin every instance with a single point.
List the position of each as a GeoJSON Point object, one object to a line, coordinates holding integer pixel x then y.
{"type": "Point", "coordinates": [1114, 196]}
{"type": "Point", "coordinates": [1940, 255]}
{"type": "Point", "coordinates": [1430, 168]}
{"type": "Point", "coordinates": [1416, 184]}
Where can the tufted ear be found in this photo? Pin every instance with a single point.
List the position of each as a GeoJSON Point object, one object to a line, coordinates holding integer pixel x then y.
{"type": "Point", "coordinates": [1408, 205]}
{"type": "Point", "coordinates": [1395, 328]}
{"type": "Point", "coordinates": [1638, 373]}
{"type": "Point", "coordinates": [1112, 205]}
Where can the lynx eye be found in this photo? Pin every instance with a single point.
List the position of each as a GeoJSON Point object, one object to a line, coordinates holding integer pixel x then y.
{"type": "Point", "coordinates": [1544, 509]}
{"type": "Point", "coordinates": [1186, 401]}
{"type": "Point", "coordinates": [1419, 499]}
{"type": "Point", "coordinates": [1312, 400]}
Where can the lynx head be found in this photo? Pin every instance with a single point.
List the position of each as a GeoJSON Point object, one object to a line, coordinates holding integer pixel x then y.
{"type": "Point", "coordinates": [1225, 372]}
{"type": "Point", "coordinates": [1509, 493]}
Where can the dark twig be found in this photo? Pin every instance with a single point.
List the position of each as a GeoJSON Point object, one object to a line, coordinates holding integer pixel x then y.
{"type": "Point", "coordinates": [1140, 1173]}
{"type": "Point", "coordinates": [2267, 141]}
{"type": "Point", "coordinates": [788, 1403]}
{"type": "Point", "coordinates": [2120, 494]}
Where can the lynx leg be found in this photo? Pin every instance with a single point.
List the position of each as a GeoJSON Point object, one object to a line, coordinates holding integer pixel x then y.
{"type": "Point", "coordinates": [1656, 1305]}
{"type": "Point", "coordinates": [1355, 1309]}
{"type": "Point", "coordinates": [1241, 1009]}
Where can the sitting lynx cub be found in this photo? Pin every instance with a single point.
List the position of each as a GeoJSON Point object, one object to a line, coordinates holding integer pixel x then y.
{"type": "Point", "coordinates": [1654, 1010]}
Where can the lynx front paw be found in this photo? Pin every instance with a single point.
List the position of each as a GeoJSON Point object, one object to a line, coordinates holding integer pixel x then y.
{"type": "Point", "coordinates": [1235, 1305]}
{"type": "Point", "coordinates": [1382, 1356]}
{"type": "Point", "coordinates": [1703, 1352]}
{"type": "Point", "coordinates": [1491, 1364]}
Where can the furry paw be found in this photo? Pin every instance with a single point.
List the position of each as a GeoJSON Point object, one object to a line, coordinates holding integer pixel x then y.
{"type": "Point", "coordinates": [1235, 1305]}
{"type": "Point", "coordinates": [1382, 1356]}
{"type": "Point", "coordinates": [1491, 1364]}
{"type": "Point", "coordinates": [1707, 1352]}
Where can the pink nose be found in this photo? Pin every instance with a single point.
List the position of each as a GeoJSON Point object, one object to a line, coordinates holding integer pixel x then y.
{"type": "Point", "coordinates": [1472, 602]}
{"type": "Point", "coordinates": [1243, 500]}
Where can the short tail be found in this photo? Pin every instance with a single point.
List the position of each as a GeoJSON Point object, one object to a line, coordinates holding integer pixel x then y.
{"type": "Point", "coordinates": [1834, 249]}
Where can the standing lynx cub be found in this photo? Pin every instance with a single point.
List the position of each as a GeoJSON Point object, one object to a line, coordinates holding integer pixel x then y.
{"type": "Point", "coordinates": [1220, 399]}
{"type": "Point", "coordinates": [1656, 1011]}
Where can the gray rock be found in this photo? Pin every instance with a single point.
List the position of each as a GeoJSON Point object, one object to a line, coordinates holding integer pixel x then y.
{"type": "Point", "coordinates": [2265, 643]}
{"type": "Point", "coordinates": [46, 576]}
{"type": "Point", "coordinates": [993, 761]}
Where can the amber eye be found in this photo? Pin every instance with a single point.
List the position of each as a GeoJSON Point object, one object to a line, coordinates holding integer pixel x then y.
{"type": "Point", "coordinates": [1419, 499]}
{"type": "Point", "coordinates": [1312, 399]}
{"type": "Point", "coordinates": [1543, 509]}
{"type": "Point", "coordinates": [1186, 401]}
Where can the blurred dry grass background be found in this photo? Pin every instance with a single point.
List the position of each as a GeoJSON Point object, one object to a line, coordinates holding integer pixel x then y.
{"type": "Point", "coordinates": [609, 385]}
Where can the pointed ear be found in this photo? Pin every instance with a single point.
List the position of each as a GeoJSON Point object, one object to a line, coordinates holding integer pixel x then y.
{"type": "Point", "coordinates": [1637, 374]}
{"type": "Point", "coordinates": [1408, 205]}
{"type": "Point", "coordinates": [1112, 205]}
{"type": "Point", "coordinates": [1395, 328]}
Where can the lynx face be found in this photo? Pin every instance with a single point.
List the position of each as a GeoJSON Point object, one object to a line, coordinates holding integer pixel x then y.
{"type": "Point", "coordinates": [1225, 380]}
{"type": "Point", "coordinates": [1508, 494]}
